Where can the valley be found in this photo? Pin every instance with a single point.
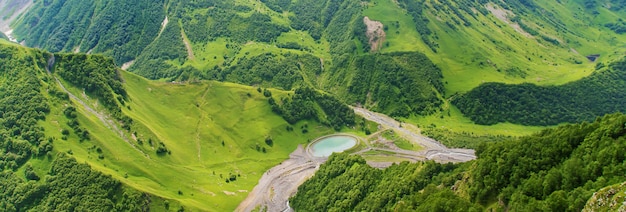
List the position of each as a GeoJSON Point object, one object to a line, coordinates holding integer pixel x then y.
{"type": "Point", "coordinates": [281, 182]}
{"type": "Point", "coordinates": [215, 106]}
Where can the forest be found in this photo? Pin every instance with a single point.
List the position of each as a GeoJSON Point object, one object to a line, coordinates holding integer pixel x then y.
{"type": "Point", "coordinates": [398, 84]}
{"type": "Point", "coordinates": [67, 185]}
{"type": "Point", "coordinates": [99, 26]}
{"type": "Point", "coordinates": [22, 105]}
{"type": "Point", "coordinates": [285, 71]}
{"type": "Point", "coordinates": [554, 170]}
{"type": "Point", "coordinates": [97, 76]}
{"type": "Point", "coordinates": [528, 104]}
{"type": "Point", "coordinates": [304, 104]}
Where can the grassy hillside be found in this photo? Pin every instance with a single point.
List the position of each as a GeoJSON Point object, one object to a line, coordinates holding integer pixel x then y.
{"type": "Point", "coordinates": [528, 104]}
{"type": "Point", "coordinates": [212, 131]}
{"type": "Point", "coordinates": [199, 145]}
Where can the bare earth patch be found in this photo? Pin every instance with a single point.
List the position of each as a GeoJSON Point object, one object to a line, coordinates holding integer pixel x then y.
{"type": "Point", "coordinates": [163, 25]}
{"type": "Point", "coordinates": [230, 193]}
{"type": "Point", "coordinates": [127, 65]}
{"type": "Point", "coordinates": [375, 33]}
{"type": "Point", "coordinates": [187, 46]}
{"type": "Point", "coordinates": [281, 181]}
{"type": "Point", "coordinates": [505, 15]}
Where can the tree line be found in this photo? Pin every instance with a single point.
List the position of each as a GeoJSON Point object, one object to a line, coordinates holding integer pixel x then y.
{"type": "Point", "coordinates": [528, 104]}
{"type": "Point", "coordinates": [68, 186]}
{"type": "Point", "coordinates": [304, 104]}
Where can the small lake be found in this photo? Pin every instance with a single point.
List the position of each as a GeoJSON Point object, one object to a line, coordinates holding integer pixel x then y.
{"type": "Point", "coordinates": [326, 146]}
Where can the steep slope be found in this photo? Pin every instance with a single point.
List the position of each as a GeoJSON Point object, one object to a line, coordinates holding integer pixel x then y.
{"type": "Point", "coordinates": [507, 41]}
{"type": "Point", "coordinates": [120, 29]}
{"type": "Point", "coordinates": [555, 170]}
{"type": "Point", "coordinates": [36, 175]}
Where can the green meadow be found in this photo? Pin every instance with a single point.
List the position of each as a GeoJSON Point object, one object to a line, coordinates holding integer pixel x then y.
{"type": "Point", "coordinates": [212, 130]}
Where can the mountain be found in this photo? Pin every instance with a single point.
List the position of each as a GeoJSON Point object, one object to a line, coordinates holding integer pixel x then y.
{"type": "Point", "coordinates": [183, 105]}
{"type": "Point", "coordinates": [260, 43]}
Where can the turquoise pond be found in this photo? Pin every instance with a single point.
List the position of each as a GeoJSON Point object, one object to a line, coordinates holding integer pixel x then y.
{"type": "Point", "coordinates": [326, 146]}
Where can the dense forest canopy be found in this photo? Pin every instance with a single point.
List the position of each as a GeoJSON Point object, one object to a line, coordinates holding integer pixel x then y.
{"type": "Point", "coordinates": [304, 104]}
{"type": "Point", "coordinates": [398, 84]}
{"type": "Point", "coordinates": [68, 186]}
{"type": "Point", "coordinates": [22, 105]}
{"type": "Point", "coordinates": [120, 28]}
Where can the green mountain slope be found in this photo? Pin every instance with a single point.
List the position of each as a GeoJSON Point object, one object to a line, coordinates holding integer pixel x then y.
{"type": "Point", "coordinates": [194, 139]}
{"type": "Point", "coordinates": [35, 174]}
{"type": "Point", "coordinates": [528, 104]}
{"type": "Point", "coordinates": [92, 26]}
{"type": "Point", "coordinates": [279, 43]}
{"type": "Point", "coordinates": [200, 145]}
{"type": "Point", "coordinates": [555, 170]}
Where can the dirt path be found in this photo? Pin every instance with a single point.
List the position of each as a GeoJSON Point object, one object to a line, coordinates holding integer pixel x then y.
{"type": "Point", "coordinates": [187, 45]}
{"type": "Point", "coordinates": [163, 25]}
{"type": "Point", "coordinates": [201, 102]}
{"type": "Point", "coordinates": [106, 120]}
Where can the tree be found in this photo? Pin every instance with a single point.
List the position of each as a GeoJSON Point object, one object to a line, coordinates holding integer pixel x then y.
{"type": "Point", "coordinates": [269, 141]}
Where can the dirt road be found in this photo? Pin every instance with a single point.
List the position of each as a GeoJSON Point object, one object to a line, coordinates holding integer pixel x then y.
{"type": "Point", "coordinates": [433, 150]}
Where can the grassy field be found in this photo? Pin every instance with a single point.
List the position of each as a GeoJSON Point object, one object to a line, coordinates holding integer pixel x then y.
{"type": "Point", "coordinates": [192, 120]}
{"type": "Point", "coordinates": [401, 142]}
{"type": "Point", "coordinates": [456, 122]}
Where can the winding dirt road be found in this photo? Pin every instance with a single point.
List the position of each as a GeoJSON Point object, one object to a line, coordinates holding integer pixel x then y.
{"type": "Point", "coordinates": [433, 150]}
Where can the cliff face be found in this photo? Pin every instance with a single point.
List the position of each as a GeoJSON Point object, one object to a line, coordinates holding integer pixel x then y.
{"type": "Point", "coordinates": [612, 198]}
